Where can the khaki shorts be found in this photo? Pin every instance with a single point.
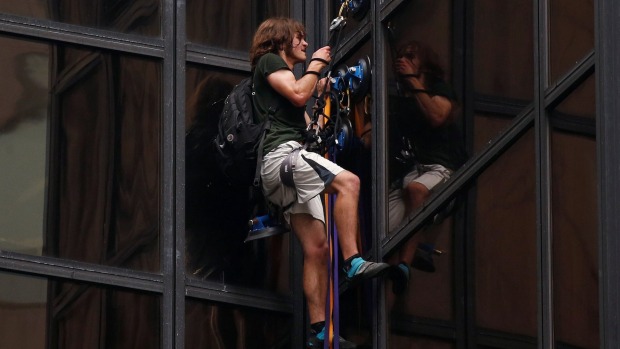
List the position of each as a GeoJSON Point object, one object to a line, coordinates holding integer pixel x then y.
{"type": "Point", "coordinates": [429, 176]}
{"type": "Point", "coordinates": [313, 173]}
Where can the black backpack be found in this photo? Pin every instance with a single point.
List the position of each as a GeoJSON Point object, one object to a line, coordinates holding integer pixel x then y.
{"type": "Point", "coordinates": [240, 136]}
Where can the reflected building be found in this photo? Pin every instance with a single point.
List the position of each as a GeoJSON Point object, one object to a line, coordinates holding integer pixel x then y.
{"type": "Point", "coordinates": [116, 231]}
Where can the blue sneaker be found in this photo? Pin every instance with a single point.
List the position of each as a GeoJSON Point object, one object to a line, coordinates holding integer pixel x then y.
{"type": "Point", "coordinates": [362, 270]}
{"type": "Point", "coordinates": [316, 341]}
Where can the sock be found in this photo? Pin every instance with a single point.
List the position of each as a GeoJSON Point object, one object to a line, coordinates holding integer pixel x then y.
{"type": "Point", "coordinates": [347, 263]}
{"type": "Point", "coordinates": [403, 266]}
{"type": "Point", "coordinates": [354, 266]}
{"type": "Point", "coordinates": [317, 326]}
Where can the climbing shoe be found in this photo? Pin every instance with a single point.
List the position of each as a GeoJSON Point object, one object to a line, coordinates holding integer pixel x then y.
{"type": "Point", "coordinates": [316, 341]}
{"type": "Point", "coordinates": [423, 258]}
{"type": "Point", "coordinates": [362, 270]}
{"type": "Point", "coordinates": [400, 278]}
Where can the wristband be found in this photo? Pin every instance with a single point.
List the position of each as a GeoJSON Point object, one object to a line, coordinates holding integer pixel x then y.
{"type": "Point", "coordinates": [417, 90]}
{"type": "Point", "coordinates": [310, 72]}
{"type": "Point", "coordinates": [319, 60]}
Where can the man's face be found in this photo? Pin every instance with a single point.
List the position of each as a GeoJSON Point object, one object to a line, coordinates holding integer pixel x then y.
{"type": "Point", "coordinates": [298, 48]}
{"type": "Point", "coordinates": [408, 62]}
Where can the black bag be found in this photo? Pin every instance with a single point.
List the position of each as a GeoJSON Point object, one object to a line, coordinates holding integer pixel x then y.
{"type": "Point", "coordinates": [239, 141]}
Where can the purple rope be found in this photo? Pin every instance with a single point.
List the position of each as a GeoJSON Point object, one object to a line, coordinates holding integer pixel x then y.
{"type": "Point", "coordinates": [336, 290]}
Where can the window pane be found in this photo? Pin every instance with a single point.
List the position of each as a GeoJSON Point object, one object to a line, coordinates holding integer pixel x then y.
{"type": "Point", "coordinates": [217, 214]}
{"type": "Point", "coordinates": [429, 294]}
{"type": "Point", "coordinates": [212, 325]}
{"type": "Point", "coordinates": [42, 313]}
{"type": "Point", "coordinates": [420, 144]}
{"type": "Point", "coordinates": [102, 198]}
{"type": "Point", "coordinates": [505, 242]}
{"type": "Point", "coordinates": [230, 24]}
{"type": "Point", "coordinates": [141, 17]}
{"type": "Point", "coordinates": [503, 49]}
{"type": "Point", "coordinates": [24, 105]}
{"type": "Point", "coordinates": [571, 35]}
{"type": "Point", "coordinates": [401, 341]}
{"type": "Point", "coordinates": [575, 222]}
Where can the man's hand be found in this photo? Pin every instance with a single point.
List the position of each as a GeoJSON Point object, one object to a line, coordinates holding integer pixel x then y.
{"type": "Point", "coordinates": [404, 66]}
{"type": "Point", "coordinates": [324, 53]}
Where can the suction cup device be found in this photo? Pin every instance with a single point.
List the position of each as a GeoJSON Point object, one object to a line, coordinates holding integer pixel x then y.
{"type": "Point", "coordinates": [344, 137]}
{"type": "Point", "coordinates": [356, 79]}
{"type": "Point", "coordinates": [339, 82]}
{"type": "Point", "coordinates": [264, 226]}
{"type": "Point", "coordinates": [358, 8]}
{"type": "Point", "coordinates": [360, 81]}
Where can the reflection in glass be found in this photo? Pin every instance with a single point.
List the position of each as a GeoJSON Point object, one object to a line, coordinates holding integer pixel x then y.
{"type": "Point", "coordinates": [505, 242]}
{"type": "Point", "coordinates": [97, 176]}
{"type": "Point", "coordinates": [216, 212]}
{"type": "Point", "coordinates": [575, 237]}
{"type": "Point", "coordinates": [425, 143]}
{"type": "Point", "coordinates": [108, 158]}
{"type": "Point", "coordinates": [39, 313]}
{"type": "Point", "coordinates": [425, 147]}
{"type": "Point", "coordinates": [24, 104]}
{"type": "Point", "coordinates": [230, 24]}
{"type": "Point", "coordinates": [140, 17]}
{"type": "Point", "coordinates": [210, 325]}
{"type": "Point", "coordinates": [571, 35]}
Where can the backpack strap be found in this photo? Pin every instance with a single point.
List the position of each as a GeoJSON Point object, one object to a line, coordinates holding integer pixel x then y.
{"type": "Point", "coordinates": [259, 156]}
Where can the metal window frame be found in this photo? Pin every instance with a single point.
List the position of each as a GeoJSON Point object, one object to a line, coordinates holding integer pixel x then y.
{"type": "Point", "coordinates": [607, 50]}
{"type": "Point", "coordinates": [174, 51]}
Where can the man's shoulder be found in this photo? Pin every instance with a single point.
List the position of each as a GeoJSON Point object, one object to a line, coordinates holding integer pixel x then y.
{"type": "Point", "coordinates": [270, 62]}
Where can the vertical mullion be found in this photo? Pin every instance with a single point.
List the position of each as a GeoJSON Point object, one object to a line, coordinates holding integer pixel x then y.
{"type": "Point", "coordinates": [543, 175]}
{"type": "Point", "coordinates": [180, 54]}
{"type": "Point", "coordinates": [379, 169]}
{"type": "Point", "coordinates": [168, 173]}
{"type": "Point", "coordinates": [608, 152]}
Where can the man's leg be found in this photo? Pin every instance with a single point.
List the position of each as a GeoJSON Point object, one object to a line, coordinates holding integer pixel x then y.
{"type": "Point", "coordinates": [346, 186]}
{"type": "Point", "coordinates": [313, 239]}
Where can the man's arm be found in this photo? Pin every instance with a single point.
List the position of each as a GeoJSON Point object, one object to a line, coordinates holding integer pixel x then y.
{"type": "Point", "coordinates": [298, 92]}
{"type": "Point", "coordinates": [437, 109]}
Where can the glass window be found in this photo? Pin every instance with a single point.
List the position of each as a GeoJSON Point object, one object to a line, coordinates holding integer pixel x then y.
{"type": "Point", "coordinates": [24, 108]}
{"type": "Point", "coordinates": [505, 243]}
{"type": "Point", "coordinates": [43, 313]}
{"type": "Point", "coordinates": [575, 237]}
{"type": "Point", "coordinates": [141, 17]}
{"type": "Point", "coordinates": [212, 325]}
{"type": "Point", "coordinates": [503, 50]}
{"type": "Point", "coordinates": [216, 213]}
{"type": "Point", "coordinates": [90, 190]}
{"type": "Point", "coordinates": [230, 24]}
{"type": "Point", "coordinates": [424, 148]}
{"type": "Point", "coordinates": [571, 35]}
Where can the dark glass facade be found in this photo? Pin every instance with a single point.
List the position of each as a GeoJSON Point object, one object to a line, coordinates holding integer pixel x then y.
{"type": "Point", "coordinates": [113, 233]}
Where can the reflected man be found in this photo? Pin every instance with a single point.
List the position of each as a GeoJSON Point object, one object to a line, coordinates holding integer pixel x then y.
{"type": "Point", "coordinates": [425, 142]}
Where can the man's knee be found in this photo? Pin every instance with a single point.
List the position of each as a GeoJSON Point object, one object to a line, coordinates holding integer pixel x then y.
{"type": "Point", "coordinates": [316, 250]}
{"type": "Point", "coordinates": [417, 194]}
{"type": "Point", "coordinates": [348, 182]}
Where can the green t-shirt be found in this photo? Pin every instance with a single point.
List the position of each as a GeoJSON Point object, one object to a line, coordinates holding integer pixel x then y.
{"type": "Point", "coordinates": [288, 122]}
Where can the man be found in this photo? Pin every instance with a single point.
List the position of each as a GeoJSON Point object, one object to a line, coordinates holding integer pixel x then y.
{"type": "Point", "coordinates": [278, 45]}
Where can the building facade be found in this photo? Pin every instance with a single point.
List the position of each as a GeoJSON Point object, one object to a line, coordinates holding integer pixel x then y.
{"type": "Point", "coordinates": [114, 232]}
